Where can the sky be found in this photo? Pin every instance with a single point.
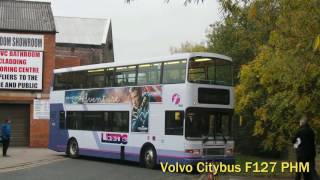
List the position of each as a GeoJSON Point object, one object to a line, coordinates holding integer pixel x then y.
{"type": "Point", "coordinates": [146, 28]}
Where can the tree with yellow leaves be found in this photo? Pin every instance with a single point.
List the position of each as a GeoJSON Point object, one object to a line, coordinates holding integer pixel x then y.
{"type": "Point", "coordinates": [283, 81]}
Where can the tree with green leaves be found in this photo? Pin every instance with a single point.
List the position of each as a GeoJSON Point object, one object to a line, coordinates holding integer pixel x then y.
{"type": "Point", "coordinates": [245, 27]}
{"type": "Point", "coordinates": [275, 47]}
{"type": "Point", "coordinates": [189, 47]}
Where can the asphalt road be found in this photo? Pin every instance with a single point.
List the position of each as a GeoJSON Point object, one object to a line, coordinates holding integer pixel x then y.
{"type": "Point", "coordinates": [91, 169]}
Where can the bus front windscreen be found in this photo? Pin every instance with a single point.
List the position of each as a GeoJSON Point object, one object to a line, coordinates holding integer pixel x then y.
{"type": "Point", "coordinates": [208, 124]}
{"type": "Point", "coordinates": [205, 70]}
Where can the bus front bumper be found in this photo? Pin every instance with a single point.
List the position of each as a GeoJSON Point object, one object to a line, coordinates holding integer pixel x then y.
{"type": "Point", "coordinates": [195, 160]}
{"type": "Point", "coordinates": [224, 160]}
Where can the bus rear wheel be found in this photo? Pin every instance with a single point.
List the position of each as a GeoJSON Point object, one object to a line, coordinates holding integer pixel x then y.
{"type": "Point", "coordinates": [149, 157]}
{"type": "Point", "coordinates": [73, 148]}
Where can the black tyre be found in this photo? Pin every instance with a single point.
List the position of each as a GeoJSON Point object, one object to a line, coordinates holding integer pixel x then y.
{"type": "Point", "coordinates": [73, 148]}
{"type": "Point", "coordinates": [149, 157]}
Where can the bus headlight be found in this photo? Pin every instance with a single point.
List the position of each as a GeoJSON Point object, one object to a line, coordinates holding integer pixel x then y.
{"type": "Point", "coordinates": [195, 152]}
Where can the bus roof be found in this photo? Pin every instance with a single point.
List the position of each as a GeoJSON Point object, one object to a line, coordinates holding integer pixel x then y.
{"type": "Point", "coordinates": [142, 61]}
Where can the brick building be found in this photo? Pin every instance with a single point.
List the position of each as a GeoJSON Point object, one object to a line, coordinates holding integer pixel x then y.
{"type": "Point", "coordinates": [82, 41]}
{"type": "Point", "coordinates": [27, 60]}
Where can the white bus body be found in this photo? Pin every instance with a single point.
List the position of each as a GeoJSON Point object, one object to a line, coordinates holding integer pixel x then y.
{"type": "Point", "coordinates": [194, 131]}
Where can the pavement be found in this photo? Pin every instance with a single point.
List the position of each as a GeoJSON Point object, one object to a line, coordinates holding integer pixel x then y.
{"type": "Point", "coordinates": [25, 157]}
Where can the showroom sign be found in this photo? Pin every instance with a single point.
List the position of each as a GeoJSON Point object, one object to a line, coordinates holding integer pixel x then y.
{"type": "Point", "coordinates": [21, 61]}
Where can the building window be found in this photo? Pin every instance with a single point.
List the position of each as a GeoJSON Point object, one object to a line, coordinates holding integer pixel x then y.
{"type": "Point", "coordinates": [73, 50]}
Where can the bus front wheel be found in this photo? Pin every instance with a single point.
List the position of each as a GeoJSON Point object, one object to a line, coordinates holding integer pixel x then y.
{"type": "Point", "coordinates": [149, 157]}
{"type": "Point", "coordinates": [73, 148]}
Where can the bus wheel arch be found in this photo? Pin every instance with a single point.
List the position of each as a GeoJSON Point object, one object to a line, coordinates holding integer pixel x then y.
{"type": "Point", "coordinates": [72, 148]}
{"type": "Point", "coordinates": [148, 156]}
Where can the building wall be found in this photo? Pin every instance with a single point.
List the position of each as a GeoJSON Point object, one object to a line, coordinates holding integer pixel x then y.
{"type": "Point", "coordinates": [108, 53]}
{"type": "Point", "coordinates": [85, 54]}
{"type": "Point", "coordinates": [39, 129]}
{"type": "Point", "coordinates": [66, 61]}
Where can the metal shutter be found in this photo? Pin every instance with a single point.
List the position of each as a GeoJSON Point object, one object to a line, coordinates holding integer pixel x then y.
{"type": "Point", "coordinates": [19, 115]}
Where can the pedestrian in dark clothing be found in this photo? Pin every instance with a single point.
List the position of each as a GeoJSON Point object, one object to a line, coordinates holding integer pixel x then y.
{"type": "Point", "coordinates": [6, 135]}
{"type": "Point", "coordinates": [304, 142]}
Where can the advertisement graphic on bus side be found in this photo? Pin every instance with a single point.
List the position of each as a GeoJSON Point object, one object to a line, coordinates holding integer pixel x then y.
{"type": "Point", "coordinates": [139, 97]}
{"type": "Point", "coordinates": [116, 138]}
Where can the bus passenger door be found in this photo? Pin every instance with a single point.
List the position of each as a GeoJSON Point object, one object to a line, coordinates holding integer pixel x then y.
{"type": "Point", "coordinates": [58, 135]}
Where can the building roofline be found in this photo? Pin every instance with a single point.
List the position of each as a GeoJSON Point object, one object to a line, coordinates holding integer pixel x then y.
{"type": "Point", "coordinates": [25, 4]}
{"type": "Point", "coordinates": [107, 28]}
{"type": "Point", "coordinates": [100, 18]}
{"type": "Point", "coordinates": [26, 31]}
{"type": "Point", "coordinates": [40, 2]}
{"type": "Point", "coordinates": [106, 22]}
{"type": "Point", "coordinates": [78, 45]}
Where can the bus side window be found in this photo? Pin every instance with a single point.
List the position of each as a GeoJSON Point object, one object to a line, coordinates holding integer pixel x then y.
{"type": "Point", "coordinates": [125, 76]}
{"type": "Point", "coordinates": [62, 120]}
{"type": "Point", "coordinates": [74, 120]}
{"type": "Point", "coordinates": [63, 81]}
{"type": "Point", "coordinates": [174, 72]}
{"type": "Point", "coordinates": [120, 121]}
{"type": "Point", "coordinates": [132, 75]}
{"type": "Point", "coordinates": [149, 74]}
{"type": "Point", "coordinates": [58, 84]}
{"type": "Point", "coordinates": [95, 78]}
{"type": "Point", "coordinates": [107, 121]}
{"type": "Point", "coordinates": [116, 121]}
{"type": "Point", "coordinates": [174, 122]}
{"type": "Point", "coordinates": [109, 77]}
{"type": "Point", "coordinates": [79, 79]}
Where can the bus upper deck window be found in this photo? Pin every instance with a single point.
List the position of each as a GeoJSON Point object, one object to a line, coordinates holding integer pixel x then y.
{"type": "Point", "coordinates": [174, 72]}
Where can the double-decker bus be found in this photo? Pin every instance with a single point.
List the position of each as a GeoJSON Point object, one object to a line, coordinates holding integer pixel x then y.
{"type": "Point", "coordinates": [175, 109]}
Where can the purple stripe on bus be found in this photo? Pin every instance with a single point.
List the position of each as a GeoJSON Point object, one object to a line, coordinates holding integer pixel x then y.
{"type": "Point", "coordinates": [97, 150]}
{"type": "Point", "coordinates": [138, 154]}
{"type": "Point", "coordinates": [128, 155]}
